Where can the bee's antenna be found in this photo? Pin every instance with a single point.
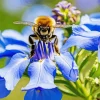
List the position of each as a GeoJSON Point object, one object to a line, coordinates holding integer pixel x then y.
{"type": "Point", "coordinates": [24, 23]}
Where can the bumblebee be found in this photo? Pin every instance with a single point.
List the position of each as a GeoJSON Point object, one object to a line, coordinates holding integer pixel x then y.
{"type": "Point", "coordinates": [43, 28]}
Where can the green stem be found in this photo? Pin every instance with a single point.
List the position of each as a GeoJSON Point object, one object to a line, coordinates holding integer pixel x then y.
{"type": "Point", "coordinates": [83, 90]}
{"type": "Point", "coordinates": [89, 98]}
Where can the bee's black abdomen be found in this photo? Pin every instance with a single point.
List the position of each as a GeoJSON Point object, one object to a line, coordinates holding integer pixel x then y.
{"type": "Point", "coordinates": [32, 43]}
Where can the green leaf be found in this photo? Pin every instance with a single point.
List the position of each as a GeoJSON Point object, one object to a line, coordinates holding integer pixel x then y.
{"type": "Point", "coordinates": [92, 72]}
{"type": "Point", "coordinates": [98, 95]}
{"type": "Point", "coordinates": [97, 73]}
{"type": "Point", "coordinates": [85, 61]}
{"type": "Point", "coordinates": [69, 85]}
{"type": "Point", "coordinates": [66, 91]}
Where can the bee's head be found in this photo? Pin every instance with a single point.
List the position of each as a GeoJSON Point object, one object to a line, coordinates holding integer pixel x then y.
{"type": "Point", "coordinates": [44, 25]}
{"type": "Point", "coordinates": [44, 30]}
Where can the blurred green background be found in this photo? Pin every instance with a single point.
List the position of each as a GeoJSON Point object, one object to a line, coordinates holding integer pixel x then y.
{"type": "Point", "coordinates": [9, 15]}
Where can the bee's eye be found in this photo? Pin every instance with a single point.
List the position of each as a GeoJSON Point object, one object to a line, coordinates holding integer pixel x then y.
{"type": "Point", "coordinates": [40, 27]}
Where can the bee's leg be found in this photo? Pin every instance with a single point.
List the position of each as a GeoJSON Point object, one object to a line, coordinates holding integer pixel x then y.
{"type": "Point", "coordinates": [55, 43]}
{"type": "Point", "coordinates": [33, 44]}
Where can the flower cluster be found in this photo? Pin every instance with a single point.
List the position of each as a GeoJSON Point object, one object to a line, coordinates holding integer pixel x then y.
{"type": "Point", "coordinates": [66, 13]}
{"type": "Point", "coordinates": [41, 67]}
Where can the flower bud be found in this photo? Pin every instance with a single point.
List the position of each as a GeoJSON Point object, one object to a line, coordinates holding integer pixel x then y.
{"type": "Point", "coordinates": [66, 13]}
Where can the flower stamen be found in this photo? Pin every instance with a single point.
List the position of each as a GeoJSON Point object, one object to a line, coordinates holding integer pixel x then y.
{"type": "Point", "coordinates": [38, 91]}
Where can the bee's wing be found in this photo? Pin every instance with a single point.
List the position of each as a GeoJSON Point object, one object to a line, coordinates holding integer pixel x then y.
{"type": "Point", "coordinates": [24, 23]}
{"type": "Point", "coordinates": [62, 26]}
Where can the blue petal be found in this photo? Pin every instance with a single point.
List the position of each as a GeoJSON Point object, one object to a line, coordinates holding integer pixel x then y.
{"type": "Point", "coordinates": [95, 16]}
{"type": "Point", "coordinates": [40, 51]}
{"type": "Point", "coordinates": [44, 94]}
{"type": "Point", "coordinates": [83, 42]}
{"type": "Point", "coordinates": [45, 50]}
{"type": "Point", "coordinates": [13, 37]}
{"type": "Point", "coordinates": [84, 39]}
{"type": "Point", "coordinates": [59, 32]}
{"type": "Point", "coordinates": [51, 50]}
{"type": "Point", "coordinates": [85, 19]}
{"type": "Point", "coordinates": [85, 31]}
{"type": "Point", "coordinates": [67, 66]}
{"type": "Point", "coordinates": [93, 27]}
{"type": "Point", "coordinates": [41, 75]}
{"type": "Point", "coordinates": [94, 20]}
{"type": "Point", "coordinates": [3, 91]}
{"type": "Point", "coordinates": [10, 50]}
{"type": "Point", "coordinates": [14, 70]}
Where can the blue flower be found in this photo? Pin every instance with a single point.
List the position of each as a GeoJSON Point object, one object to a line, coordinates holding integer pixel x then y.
{"type": "Point", "coordinates": [41, 67]}
{"type": "Point", "coordinates": [86, 36]}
